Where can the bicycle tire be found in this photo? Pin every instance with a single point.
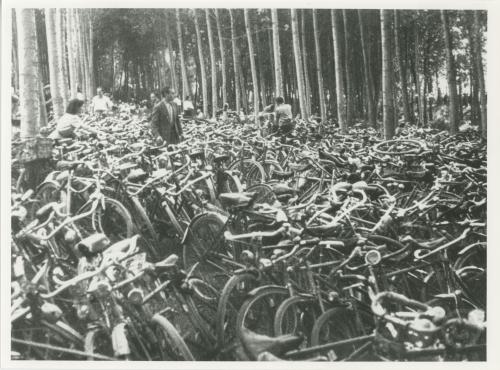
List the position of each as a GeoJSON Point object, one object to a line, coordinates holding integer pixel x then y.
{"type": "Point", "coordinates": [253, 172]}
{"type": "Point", "coordinates": [224, 301]}
{"type": "Point", "coordinates": [92, 346]}
{"type": "Point", "coordinates": [121, 210]}
{"type": "Point", "coordinates": [257, 295]}
{"type": "Point", "coordinates": [149, 234]}
{"type": "Point", "coordinates": [283, 309]}
{"type": "Point", "coordinates": [173, 339]}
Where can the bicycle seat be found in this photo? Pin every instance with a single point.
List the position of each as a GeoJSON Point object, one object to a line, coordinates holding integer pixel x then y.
{"type": "Point", "coordinates": [93, 244]}
{"type": "Point", "coordinates": [236, 200]}
{"type": "Point", "coordinates": [218, 158]}
{"type": "Point", "coordinates": [137, 175]}
{"type": "Point", "coordinates": [299, 167]}
{"type": "Point", "coordinates": [126, 166]}
{"type": "Point", "coordinates": [254, 344]}
{"type": "Point", "coordinates": [323, 230]}
{"type": "Point", "coordinates": [282, 175]}
{"type": "Point", "coordinates": [283, 189]}
{"type": "Point", "coordinates": [44, 211]}
{"type": "Point", "coordinates": [67, 165]}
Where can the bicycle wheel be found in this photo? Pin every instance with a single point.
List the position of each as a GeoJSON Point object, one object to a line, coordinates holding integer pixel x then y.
{"type": "Point", "coordinates": [336, 324]}
{"type": "Point", "coordinates": [258, 311]}
{"type": "Point", "coordinates": [232, 297]}
{"type": "Point", "coordinates": [205, 246]}
{"type": "Point", "coordinates": [98, 341]}
{"type": "Point", "coordinates": [297, 315]}
{"type": "Point", "coordinates": [271, 166]}
{"type": "Point", "coordinates": [170, 343]}
{"type": "Point", "coordinates": [252, 172]}
{"type": "Point", "coordinates": [114, 220]}
{"type": "Point", "coordinates": [146, 229]}
{"type": "Point", "coordinates": [265, 194]}
{"type": "Point", "coordinates": [470, 270]}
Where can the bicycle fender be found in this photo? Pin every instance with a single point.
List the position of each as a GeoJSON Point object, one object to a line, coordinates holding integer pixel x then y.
{"type": "Point", "coordinates": [222, 218]}
{"type": "Point", "coordinates": [472, 246]}
{"type": "Point", "coordinates": [120, 341]}
{"type": "Point", "coordinates": [49, 180]}
{"type": "Point", "coordinates": [261, 288]}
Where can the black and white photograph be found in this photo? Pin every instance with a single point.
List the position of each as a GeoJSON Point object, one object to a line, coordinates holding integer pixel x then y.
{"type": "Point", "coordinates": [245, 184]}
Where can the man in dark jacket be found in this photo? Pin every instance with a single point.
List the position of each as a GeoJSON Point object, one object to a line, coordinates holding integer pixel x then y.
{"type": "Point", "coordinates": [165, 121]}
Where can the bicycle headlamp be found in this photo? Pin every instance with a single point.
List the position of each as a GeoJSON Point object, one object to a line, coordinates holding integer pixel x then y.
{"type": "Point", "coordinates": [373, 257]}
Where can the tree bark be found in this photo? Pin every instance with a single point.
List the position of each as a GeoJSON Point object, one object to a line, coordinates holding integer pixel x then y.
{"type": "Point", "coordinates": [64, 57]}
{"type": "Point", "coordinates": [202, 64]}
{"type": "Point", "coordinates": [387, 81]}
{"type": "Point", "coordinates": [452, 84]}
{"type": "Point", "coordinates": [236, 58]}
{"type": "Point", "coordinates": [55, 65]}
{"type": "Point", "coordinates": [29, 80]}
{"type": "Point", "coordinates": [480, 74]}
{"type": "Point", "coordinates": [348, 71]}
{"type": "Point", "coordinates": [213, 64]}
{"type": "Point", "coordinates": [260, 64]}
{"type": "Point", "coordinates": [402, 71]}
{"type": "Point", "coordinates": [171, 59]}
{"type": "Point", "coordinates": [278, 79]}
{"type": "Point", "coordinates": [370, 99]}
{"type": "Point", "coordinates": [305, 59]}
{"type": "Point", "coordinates": [339, 73]}
{"type": "Point", "coordinates": [222, 58]}
{"type": "Point", "coordinates": [73, 74]}
{"type": "Point", "coordinates": [186, 90]}
{"type": "Point", "coordinates": [252, 67]}
{"type": "Point", "coordinates": [319, 69]}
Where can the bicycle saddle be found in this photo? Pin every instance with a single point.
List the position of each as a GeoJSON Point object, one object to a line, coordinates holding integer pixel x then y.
{"type": "Point", "coordinates": [255, 344]}
{"type": "Point", "coordinates": [168, 263]}
{"type": "Point", "coordinates": [221, 158]}
{"type": "Point", "coordinates": [236, 200]}
{"type": "Point", "coordinates": [283, 189]}
{"type": "Point", "coordinates": [93, 244]}
{"type": "Point", "coordinates": [67, 165]}
{"type": "Point", "coordinates": [44, 211]}
{"type": "Point", "coordinates": [282, 175]}
{"type": "Point", "coordinates": [126, 166]}
{"type": "Point", "coordinates": [137, 175]}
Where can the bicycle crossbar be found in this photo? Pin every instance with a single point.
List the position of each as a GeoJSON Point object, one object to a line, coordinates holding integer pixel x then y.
{"type": "Point", "coordinates": [62, 349]}
{"type": "Point", "coordinates": [328, 346]}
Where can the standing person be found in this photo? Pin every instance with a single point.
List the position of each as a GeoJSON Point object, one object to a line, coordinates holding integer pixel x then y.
{"type": "Point", "coordinates": [101, 104]}
{"type": "Point", "coordinates": [283, 116]}
{"type": "Point", "coordinates": [165, 123]}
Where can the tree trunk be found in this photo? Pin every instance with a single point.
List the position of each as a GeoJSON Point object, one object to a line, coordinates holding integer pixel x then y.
{"type": "Point", "coordinates": [15, 53]}
{"type": "Point", "coordinates": [402, 71]}
{"type": "Point", "coordinates": [236, 59]}
{"type": "Point", "coordinates": [55, 65]}
{"type": "Point", "coordinates": [370, 99]}
{"type": "Point", "coordinates": [418, 82]}
{"type": "Point", "coordinates": [186, 90]}
{"type": "Point", "coordinates": [305, 60]}
{"type": "Point", "coordinates": [260, 59]}
{"type": "Point", "coordinates": [29, 80]}
{"type": "Point", "coordinates": [61, 45]}
{"type": "Point", "coordinates": [202, 64]}
{"type": "Point", "coordinates": [222, 58]}
{"type": "Point", "coordinates": [73, 74]}
{"type": "Point", "coordinates": [91, 51]}
{"type": "Point", "coordinates": [253, 67]}
{"type": "Point", "coordinates": [339, 73]}
{"type": "Point", "coordinates": [387, 81]}
{"type": "Point", "coordinates": [171, 59]}
{"type": "Point", "coordinates": [348, 71]}
{"type": "Point", "coordinates": [213, 63]}
{"type": "Point", "coordinates": [321, 91]}
{"type": "Point", "coordinates": [298, 66]}
{"type": "Point", "coordinates": [278, 79]}
{"type": "Point", "coordinates": [480, 73]}
{"type": "Point", "coordinates": [452, 84]}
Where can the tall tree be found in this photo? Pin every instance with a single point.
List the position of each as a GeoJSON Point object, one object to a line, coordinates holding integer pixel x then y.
{"type": "Point", "coordinates": [298, 65]}
{"type": "Point", "coordinates": [339, 72]}
{"type": "Point", "coordinates": [29, 80]}
{"type": "Point", "coordinates": [480, 73]}
{"type": "Point", "coordinates": [236, 62]}
{"type": "Point", "coordinates": [402, 70]}
{"type": "Point", "coordinates": [348, 70]}
{"type": "Point", "coordinates": [202, 64]}
{"type": "Point", "coordinates": [277, 53]}
{"type": "Point", "coordinates": [171, 59]}
{"type": "Point", "coordinates": [305, 60]}
{"type": "Point", "coordinates": [451, 72]}
{"type": "Point", "coordinates": [222, 57]}
{"type": "Point", "coordinates": [387, 80]}
{"type": "Point", "coordinates": [252, 67]}
{"type": "Point", "coordinates": [213, 64]}
{"type": "Point", "coordinates": [319, 70]}
{"type": "Point", "coordinates": [185, 86]}
{"type": "Point", "coordinates": [55, 66]}
{"type": "Point", "coordinates": [73, 73]}
{"type": "Point", "coordinates": [62, 54]}
{"type": "Point", "coordinates": [371, 104]}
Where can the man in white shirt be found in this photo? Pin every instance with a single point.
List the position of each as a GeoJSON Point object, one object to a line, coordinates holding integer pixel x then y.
{"type": "Point", "coordinates": [100, 103]}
